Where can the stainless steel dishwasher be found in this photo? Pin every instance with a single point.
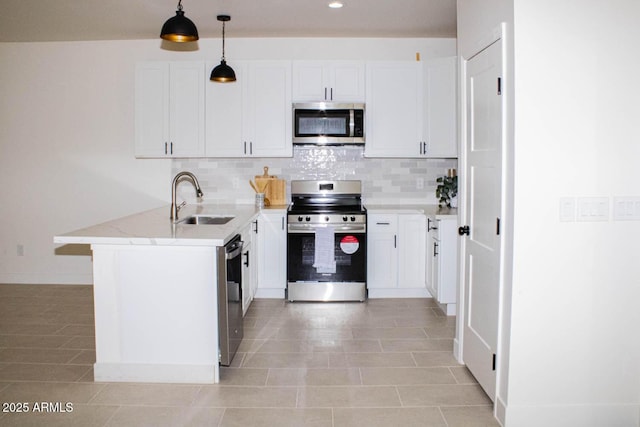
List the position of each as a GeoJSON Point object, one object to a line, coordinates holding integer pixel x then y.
{"type": "Point", "coordinates": [230, 299]}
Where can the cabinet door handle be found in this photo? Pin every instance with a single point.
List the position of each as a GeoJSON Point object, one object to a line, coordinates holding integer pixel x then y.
{"type": "Point", "coordinates": [246, 261]}
{"type": "Point", "coordinates": [166, 151]}
{"type": "Point", "coordinates": [395, 240]}
{"type": "Point", "coordinates": [382, 223]}
{"type": "Point", "coordinates": [331, 94]}
{"type": "Point", "coordinates": [251, 147]}
{"type": "Point", "coordinates": [255, 230]}
{"type": "Point", "coordinates": [325, 93]}
{"type": "Point", "coordinates": [282, 223]}
{"type": "Point", "coordinates": [171, 146]}
{"type": "Point", "coordinates": [245, 147]}
{"type": "Point", "coordinates": [435, 249]}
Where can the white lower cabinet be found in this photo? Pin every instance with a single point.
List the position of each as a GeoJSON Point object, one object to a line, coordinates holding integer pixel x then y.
{"type": "Point", "coordinates": [442, 254]}
{"type": "Point", "coordinates": [249, 266]}
{"type": "Point", "coordinates": [395, 256]}
{"type": "Point", "coordinates": [271, 238]}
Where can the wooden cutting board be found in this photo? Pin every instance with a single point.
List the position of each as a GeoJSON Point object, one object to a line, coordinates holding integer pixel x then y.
{"type": "Point", "coordinates": [274, 188]}
{"type": "Point", "coordinates": [264, 181]}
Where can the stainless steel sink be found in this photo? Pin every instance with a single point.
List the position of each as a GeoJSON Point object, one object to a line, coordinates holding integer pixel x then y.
{"type": "Point", "coordinates": [206, 219]}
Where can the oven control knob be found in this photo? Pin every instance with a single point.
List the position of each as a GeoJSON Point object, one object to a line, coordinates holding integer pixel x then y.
{"type": "Point", "coordinates": [344, 218]}
{"type": "Point", "coordinates": [299, 218]}
{"type": "Point", "coordinates": [326, 218]}
{"type": "Point", "coordinates": [353, 218]}
{"type": "Point", "coordinates": [308, 218]}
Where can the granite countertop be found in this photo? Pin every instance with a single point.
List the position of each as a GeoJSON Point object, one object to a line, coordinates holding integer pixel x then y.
{"type": "Point", "coordinates": [154, 227]}
{"type": "Point", "coordinates": [411, 208]}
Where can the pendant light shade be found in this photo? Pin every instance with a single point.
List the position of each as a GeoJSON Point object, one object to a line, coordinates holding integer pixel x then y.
{"type": "Point", "coordinates": [179, 28]}
{"type": "Point", "coordinates": [223, 73]}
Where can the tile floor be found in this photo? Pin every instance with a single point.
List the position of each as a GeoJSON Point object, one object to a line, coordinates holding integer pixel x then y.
{"type": "Point", "coordinates": [379, 363]}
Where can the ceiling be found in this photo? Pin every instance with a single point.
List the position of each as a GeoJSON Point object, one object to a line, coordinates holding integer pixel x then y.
{"type": "Point", "coordinates": [73, 20]}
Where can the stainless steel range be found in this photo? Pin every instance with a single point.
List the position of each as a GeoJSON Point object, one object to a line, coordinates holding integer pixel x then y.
{"type": "Point", "coordinates": [326, 242]}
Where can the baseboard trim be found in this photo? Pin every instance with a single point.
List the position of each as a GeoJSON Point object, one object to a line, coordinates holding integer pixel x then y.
{"type": "Point", "coordinates": [583, 415]}
{"type": "Point", "coordinates": [46, 279]}
{"type": "Point", "coordinates": [156, 373]}
{"type": "Point", "coordinates": [399, 293]}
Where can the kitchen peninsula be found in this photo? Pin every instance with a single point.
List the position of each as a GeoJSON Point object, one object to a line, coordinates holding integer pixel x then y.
{"type": "Point", "coordinates": [155, 293]}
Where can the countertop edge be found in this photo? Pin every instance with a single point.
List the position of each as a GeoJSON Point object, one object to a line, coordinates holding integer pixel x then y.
{"type": "Point", "coordinates": [154, 228]}
{"type": "Point", "coordinates": [426, 209]}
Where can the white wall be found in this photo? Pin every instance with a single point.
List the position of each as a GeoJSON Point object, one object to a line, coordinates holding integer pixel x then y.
{"type": "Point", "coordinates": [574, 323]}
{"type": "Point", "coordinates": [66, 137]}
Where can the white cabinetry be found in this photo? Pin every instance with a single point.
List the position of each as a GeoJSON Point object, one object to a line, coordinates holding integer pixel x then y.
{"type": "Point", "coordinates": [252, 116]}
{"type": "Point", "coordinates": [441, 108]}
{"type": "Point", "coordinates": [249, 266]}
{"type": "Point", "coordinates": [271, 238]}
{"type": "Point", "coordinates": [411, 109]}
{"type": "Point", "coordinates": [394, 115]}
{"type": "Point", "coordinates": [395, 256]}
{"type": "Point", "coordinates": [169, 109]}
{"type": "Point", "coordinates": [328, 81]}
{"type": "Point", "coordinates": [412, 244]}
{"type": "Point", "coordinates": [382, 251]}
{"type": "Point", "coordinates": [442, 253]}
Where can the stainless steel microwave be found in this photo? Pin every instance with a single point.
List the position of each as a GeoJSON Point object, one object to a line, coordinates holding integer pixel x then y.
{"type": "Point", "coordinates": [328, 123]}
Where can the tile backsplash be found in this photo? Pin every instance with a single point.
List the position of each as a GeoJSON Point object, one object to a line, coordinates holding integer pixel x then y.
{"type": "Point", "coordinates": [383, 180]}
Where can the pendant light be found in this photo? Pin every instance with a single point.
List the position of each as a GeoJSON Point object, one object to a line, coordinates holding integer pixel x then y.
{"type": "Point", "coordinates": [223, 73]}
{"type": "Point", "coordinates": [179, 28]}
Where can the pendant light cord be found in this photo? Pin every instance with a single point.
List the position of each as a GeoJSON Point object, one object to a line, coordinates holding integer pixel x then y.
{"type": "Point", "coordinates": [223, 40]}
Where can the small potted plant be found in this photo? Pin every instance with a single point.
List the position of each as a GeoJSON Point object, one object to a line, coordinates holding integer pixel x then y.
{"type": "Point", "coordinates": [447, 188]}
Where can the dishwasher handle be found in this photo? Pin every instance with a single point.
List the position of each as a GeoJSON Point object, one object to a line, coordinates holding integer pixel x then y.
{"type": "Point", "coordinates": [233, 248]}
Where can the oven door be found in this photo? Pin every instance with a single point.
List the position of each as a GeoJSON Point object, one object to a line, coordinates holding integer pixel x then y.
{"type": "Point", "coordinates": [350, 249]}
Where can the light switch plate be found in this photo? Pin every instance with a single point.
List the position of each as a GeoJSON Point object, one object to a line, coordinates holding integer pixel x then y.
{"type": "Point", "coordinates": [626, 208]}
{"type": "Point", "coordinates": [567, 209]}
{"type": "Point", "coordinates": [593, 209]}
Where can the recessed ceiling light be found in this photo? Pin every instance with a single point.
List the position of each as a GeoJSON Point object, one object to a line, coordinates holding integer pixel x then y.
{"type": "Point", "coordinates": [335, 4]}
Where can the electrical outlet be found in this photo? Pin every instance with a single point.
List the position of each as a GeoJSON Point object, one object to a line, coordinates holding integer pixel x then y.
{"type": "Point", "coordinates": [419, 183]}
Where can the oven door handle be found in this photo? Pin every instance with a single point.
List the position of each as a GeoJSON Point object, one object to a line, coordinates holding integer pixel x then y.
{"type": "Point", "coordinates": [300, 228]}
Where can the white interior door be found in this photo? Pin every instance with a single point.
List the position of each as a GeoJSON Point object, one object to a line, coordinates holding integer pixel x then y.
{"type": "Point", "coordinates": [483, 206]}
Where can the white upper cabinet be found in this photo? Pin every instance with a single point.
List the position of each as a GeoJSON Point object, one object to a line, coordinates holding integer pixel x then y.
{"type": "Point", "coordinates": [441, 131]}
{"type": "Point", "coordinates": [225, 121]}
{"type": "Point", "coordinates": [268, 109]}
{"type": "Point", "coordinates": [335, 81]}
{"type": "Point", "coordinates": [252, 116]}
{"type": "Point", "coordinates": [169, 109]}
{"type": "Point", "coordinates": [394, 109]}
{"type": "Point", "coordinates": [412, 109]}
